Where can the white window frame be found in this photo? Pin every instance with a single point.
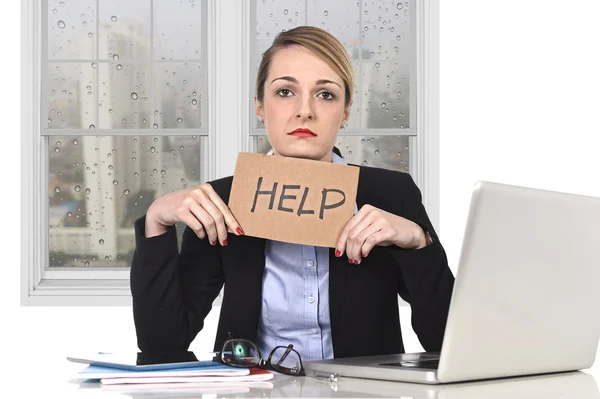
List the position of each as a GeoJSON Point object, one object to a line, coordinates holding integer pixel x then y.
{"type": "Point", "coordinates": [229, 132]}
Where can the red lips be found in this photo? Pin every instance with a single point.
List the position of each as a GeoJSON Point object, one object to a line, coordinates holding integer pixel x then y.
{"type": "Point", "coordinates": [303, 132]}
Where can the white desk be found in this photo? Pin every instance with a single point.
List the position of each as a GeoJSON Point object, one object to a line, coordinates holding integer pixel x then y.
{"type": "Point", "coordinates": [59, 379]}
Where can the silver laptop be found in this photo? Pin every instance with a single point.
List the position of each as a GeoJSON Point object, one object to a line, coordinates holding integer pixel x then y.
{"type": "Point", "coordinates": [526, 299]}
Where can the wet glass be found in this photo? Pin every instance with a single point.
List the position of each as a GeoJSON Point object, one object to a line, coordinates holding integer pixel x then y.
{"type": "Point", "coordinates": [99, 185]}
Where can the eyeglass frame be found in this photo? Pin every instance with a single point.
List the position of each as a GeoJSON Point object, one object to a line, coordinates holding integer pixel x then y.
{"type": "Point", "coordinates": [262, 363]}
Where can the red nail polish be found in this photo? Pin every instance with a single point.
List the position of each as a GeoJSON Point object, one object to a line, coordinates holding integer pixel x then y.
{"type": "Point", "coordinates": [337, 253]}
{"type": "Point", "coordinates": [213, 243]}
{"type": "Point", "coordinates": [239, 230]}
{"type": "Point", "coordinates": [349, 260]}
{"type": "Point", "coordinates": [224, 243]}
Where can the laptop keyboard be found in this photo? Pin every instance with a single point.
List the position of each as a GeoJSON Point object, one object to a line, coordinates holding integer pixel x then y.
{"type": "Point", "coordinates": [431, 364]}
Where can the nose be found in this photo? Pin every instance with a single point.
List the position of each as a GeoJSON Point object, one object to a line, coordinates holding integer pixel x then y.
{"type": "Point", "coordinates": [305, 109]}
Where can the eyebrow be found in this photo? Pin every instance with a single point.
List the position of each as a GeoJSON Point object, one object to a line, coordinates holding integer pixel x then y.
{"type": "Point", "coordinates": [294, 80]}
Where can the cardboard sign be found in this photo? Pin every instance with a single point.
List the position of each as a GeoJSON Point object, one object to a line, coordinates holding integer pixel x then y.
{"type": "Point", "coordinates": [294, 200]}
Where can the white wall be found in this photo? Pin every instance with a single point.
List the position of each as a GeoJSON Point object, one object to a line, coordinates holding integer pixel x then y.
{"type": "Point", "coordinates": [519, 102]}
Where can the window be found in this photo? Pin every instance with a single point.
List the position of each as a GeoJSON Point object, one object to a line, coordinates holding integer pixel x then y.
{"type": "Point", "coordinates": [131, 100]}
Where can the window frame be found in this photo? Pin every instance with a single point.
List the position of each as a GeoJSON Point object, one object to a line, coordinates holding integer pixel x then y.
{"type": "Point", "coordinates": [228, 22]}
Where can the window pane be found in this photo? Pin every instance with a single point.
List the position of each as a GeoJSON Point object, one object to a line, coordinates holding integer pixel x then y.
{"type": "Point", "coordinates": [71, 95]}
{"type": "Point", "coordinates": [125, 95]}
{"type": "Point", "coordinates": [180, 40]}
{"type": "Point", "coordinates": [98, 186]}
{"type": "Point", "coordinates": [340, 19]}
{"type": "Point", "coordinates": [386, 30]}
{"type": "Point", "coordinates": [71, 29]}
{"type": "Point", "coordinates": [178, 91]}
{"type": "Point", "coordinates": [385, 100]}
{"type": "Point", "coordinates": [377, 35]}
{"type": "Point", "coordinates": [124, 29]}
{"type": "Point", "coordinates": [389, 152]}
{"type": "Point", "coordinates": [272, 17]}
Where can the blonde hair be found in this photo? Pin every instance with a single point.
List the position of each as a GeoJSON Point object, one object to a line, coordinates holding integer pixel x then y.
{"type": "Point", "coordinates": [319, 41]}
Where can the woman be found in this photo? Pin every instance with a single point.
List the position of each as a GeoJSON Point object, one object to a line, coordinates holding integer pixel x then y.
{"type": "Point", "coordinates": [336, 302]}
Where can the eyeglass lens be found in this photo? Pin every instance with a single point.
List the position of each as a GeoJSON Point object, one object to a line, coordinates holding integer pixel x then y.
{"type": "Point", "coordinates": [241, 353]}
{"type": "Point", "coordinates": [286, 360]}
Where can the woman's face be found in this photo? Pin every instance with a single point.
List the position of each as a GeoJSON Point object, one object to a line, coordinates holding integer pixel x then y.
{"type": "Point", "coordinates": [302, 92]}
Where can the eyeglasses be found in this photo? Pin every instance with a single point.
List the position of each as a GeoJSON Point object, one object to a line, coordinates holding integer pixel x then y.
{"type": "Point", "coordinates": [245, 353]}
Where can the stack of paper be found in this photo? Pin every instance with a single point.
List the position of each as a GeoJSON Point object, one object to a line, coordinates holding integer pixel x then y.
{"type": "Point", "coordinates": [203, 375]}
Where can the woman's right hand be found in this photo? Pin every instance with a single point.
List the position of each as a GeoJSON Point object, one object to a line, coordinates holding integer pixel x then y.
{"type": "Point", "coordinates": [199, 207]}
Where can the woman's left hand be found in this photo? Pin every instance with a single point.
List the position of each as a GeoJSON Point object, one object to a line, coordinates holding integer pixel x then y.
{"type": "Point", "coordinates": [373, 226]}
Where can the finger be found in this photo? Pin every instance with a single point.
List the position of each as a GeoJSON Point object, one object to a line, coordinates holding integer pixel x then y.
{"type": "Point", "coordinates": [231, 222]}
{"type": "Point", "coordinates": [372, 240]}
{"type": "Point", "coordinates": [356, 237]}
{"type": "Point", "coordinates": [218, 220]}
{"type": "Point", "coordinates": [368, 238]}
{"type": "Point", "coordinates": [207, 221]}
{"type": "Point", "coordinates": [342, 241]}
{"type": "Point", "coordinates": [193, 223]}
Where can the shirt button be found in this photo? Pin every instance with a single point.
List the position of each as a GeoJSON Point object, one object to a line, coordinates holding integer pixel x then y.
{"type": "Point", "coordinates": [311, 299]}
{"type": "Point", "coordinates": [310, 263]}
{"type": "Point", "coordinates": [314, 331]}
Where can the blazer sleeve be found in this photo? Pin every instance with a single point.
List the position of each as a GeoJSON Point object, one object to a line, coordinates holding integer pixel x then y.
{"type": "Point", "coordinates": [425, 280]}
{"type": "Point", "coordinates": [172, 291]}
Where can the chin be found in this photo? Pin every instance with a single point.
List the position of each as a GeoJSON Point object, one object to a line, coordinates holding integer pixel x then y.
{"type": "Point", "coordinates": [301, 153]}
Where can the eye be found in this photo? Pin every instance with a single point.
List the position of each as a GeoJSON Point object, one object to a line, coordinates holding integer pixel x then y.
{"type": "Point", "coordinates": [325, 95]}
{"type": "Point", "coordinates": [284, 92]}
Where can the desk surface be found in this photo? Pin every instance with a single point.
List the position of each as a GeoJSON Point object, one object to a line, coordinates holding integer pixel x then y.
{"type": "Point", "coordinates": [61, 381]}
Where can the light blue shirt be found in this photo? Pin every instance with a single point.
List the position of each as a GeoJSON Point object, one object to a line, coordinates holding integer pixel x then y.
{"type": "Point", "coordinates": [295, 300]}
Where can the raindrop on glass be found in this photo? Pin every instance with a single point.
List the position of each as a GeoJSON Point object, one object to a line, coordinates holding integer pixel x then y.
{"type": "Point", "coordinates": [152, 149]}
{"type": "Point", "coordinates": [383, 105]}
{"type": "Point", "coordinates": [115, 182]}
{"type": "Point", "coordinates": [54, 11]}
{"type": "Point", "coordinates": [86, 263]}
{"type": "Point", "coordinates": [285, 12]}
{"type": "Point", "coordinates": [376, 152]}
{"type": "Point", "coordinates": [179, 120]}
{"type": "Point", "coordinates": [399, 6]}
{"type": "Point", "coordinates": [56, 149]}
{"type": "Point", "coordinates": [113, 18]}
{"type": "Point", "coordinates": [126, 192]}
{"type": "Point", "coordinates": [155, 126]}
{"type": "Point", "coordinates": [75, 142]}
{"type": "Point", "coordinates": [61, 24]}
{"type": "Point", "coordinates": [325, 13]}
{"type": "Point", "coordinates": [119, 67]}
{"type": "Point", "coordinates": [134, 95]}
{"type": "Point", "coordinates": [163, 172]}
{"type": "Point", "coordinates": [88, 191]}
{"type": "Point", "coordinates": [115, 56]}
{"type": "Point", "coordinates": [57, 189]}
{"type": "Point", "coordinates": [78, 188]}
{"type": "Point", "coordinates": [101, 242]}
{"type": "Point", "coordinates": [377, 65]}
{"type": "Point", "coordinates": [194, 101]}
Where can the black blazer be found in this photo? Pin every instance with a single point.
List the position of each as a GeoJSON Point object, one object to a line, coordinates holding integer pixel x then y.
{"type": "Point", "coordinates": [173, 292]}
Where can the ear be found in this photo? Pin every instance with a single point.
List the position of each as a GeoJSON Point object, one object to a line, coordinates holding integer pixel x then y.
{"type": "Point", "coordinates": [258, 109]}
{"type": "Point", "coordinates": [347, 113]}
